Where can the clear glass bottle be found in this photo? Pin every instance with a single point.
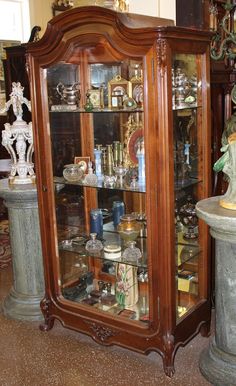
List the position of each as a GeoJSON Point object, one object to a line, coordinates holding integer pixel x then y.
{"type": "Point", "coordinates": [132, 253]}
{"type": "Point", "coordinates": [90, 178]}
{"type": "Point", "coordinates": [94, 245]}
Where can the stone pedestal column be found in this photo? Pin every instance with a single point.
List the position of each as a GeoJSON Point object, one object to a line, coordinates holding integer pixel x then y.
{"type": "Point", "coordinates": [218, 362]}
{"type": "Point", "coordinates": [23, 301]}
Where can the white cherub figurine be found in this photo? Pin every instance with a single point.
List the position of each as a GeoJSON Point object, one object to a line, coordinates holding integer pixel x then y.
{"type": "Point", "coordinates": [18, 139]}
{"type": "Point", "coordinates": [16, 100]}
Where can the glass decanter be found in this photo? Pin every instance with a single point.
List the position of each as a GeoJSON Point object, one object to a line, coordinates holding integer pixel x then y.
{"type": "Point", "coordinates": [132, 253]}
{"type": "Point", "coordinates": [94, 245]}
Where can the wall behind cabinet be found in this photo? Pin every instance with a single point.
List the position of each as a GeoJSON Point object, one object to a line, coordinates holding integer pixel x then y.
{"type": "Point", "coordinates": [40, 11]}
{"type": "Point", "coordinates": [160, 8]}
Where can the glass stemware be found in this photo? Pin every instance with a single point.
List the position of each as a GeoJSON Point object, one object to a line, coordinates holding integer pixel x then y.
{"type": "Point", "coordinates": [120, 172]}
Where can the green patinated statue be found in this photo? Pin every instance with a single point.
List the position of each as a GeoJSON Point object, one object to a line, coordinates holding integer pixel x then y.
{"type": "Point", "coordinates": [227, 162]}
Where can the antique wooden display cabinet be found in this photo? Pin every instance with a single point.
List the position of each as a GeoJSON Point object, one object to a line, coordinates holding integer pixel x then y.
{"type": "Point", "coordinates": [120, 107]}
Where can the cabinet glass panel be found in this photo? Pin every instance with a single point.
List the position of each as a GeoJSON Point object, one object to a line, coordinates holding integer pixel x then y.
{"type": "Point", "coordinates": [187, 116]}
{"type": "Point", "coordinates": [98, 150]}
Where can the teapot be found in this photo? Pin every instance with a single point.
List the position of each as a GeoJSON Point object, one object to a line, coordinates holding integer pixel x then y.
{"type": "Point", "coordinates": [70, 94]}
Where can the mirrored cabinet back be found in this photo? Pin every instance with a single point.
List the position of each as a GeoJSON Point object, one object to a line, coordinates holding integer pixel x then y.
{"type": "Point", "coordinates": [120, 109]}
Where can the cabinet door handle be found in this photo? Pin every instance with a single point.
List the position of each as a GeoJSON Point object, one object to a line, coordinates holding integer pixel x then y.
{"type": "Point", "coordinates": [45, 189]}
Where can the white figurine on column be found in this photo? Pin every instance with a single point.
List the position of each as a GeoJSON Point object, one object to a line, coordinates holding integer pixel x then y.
{"type": "Point", "coordinates": [20, 132]}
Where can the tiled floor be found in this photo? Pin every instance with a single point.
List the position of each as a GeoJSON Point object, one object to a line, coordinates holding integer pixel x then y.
{"type": "Point", "coordinates": [60, 357]}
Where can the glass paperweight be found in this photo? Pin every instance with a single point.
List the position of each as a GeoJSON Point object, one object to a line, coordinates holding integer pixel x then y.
{"type": "Point", "coordinates": [94, 245]}
{"type": "Point", "coordinates": [132, 253]}
{"type": "Point", "coordinates": [72, 172]}
{"type": "Point", "coordinates": [90, 178]}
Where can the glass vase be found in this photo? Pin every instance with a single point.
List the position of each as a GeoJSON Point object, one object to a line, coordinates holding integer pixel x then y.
{"type": "Point", "coordinates": [126, 285]}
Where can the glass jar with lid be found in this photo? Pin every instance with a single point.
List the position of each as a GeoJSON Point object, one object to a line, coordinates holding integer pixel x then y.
{"type": "Point", "coordinates": [129, 228]}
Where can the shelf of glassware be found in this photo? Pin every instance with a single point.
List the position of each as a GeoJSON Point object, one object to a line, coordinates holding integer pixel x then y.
{"type": "Point", "coordinates": [124, 187]}
{"type": "Point", "coordinates": [188, 256]}
{"type": "Point", "coordinates": [81, 284]}
{"type": "Point", "coordinates": [95, 110]}
{"type": "Point", "coordinates": [114, 185]}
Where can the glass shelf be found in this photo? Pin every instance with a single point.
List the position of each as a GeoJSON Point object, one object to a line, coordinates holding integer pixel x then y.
{"type": "Point", "coordinates": [107, 302]}
{"type": "Point", "coordinates": [186, 184]}
{"type": "Point", "coordinates": [68, 109]}
{"type": "Point", "coordinates": [192, 106]}
{"type": "Point", "coordinates": [188, 242]}
{"type": "Point", "coordinates": [185, 253]}
{"type": "Point", "coordinates": [70, 245]}
{"type": "Point", "coordinates": [62, 181]}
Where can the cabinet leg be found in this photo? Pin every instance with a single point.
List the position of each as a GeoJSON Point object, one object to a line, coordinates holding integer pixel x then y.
{"type": "Point", "coordinates": [168, 367]}
{"type": "Point", "coordinates": [47, 325]}
{"type": "Point", "coordinates": [169, 355]}
{"type": "Point", "coordinates": [205, 329]}
{"type": "Point", "coordinates": [48, 320]}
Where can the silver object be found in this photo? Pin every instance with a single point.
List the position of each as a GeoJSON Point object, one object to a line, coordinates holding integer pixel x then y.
{"type": "Point", "coordinates": [70, 94]}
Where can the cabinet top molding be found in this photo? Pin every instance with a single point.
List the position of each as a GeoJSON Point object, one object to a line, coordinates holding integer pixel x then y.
{"type": "Point", "coordinates": [125, 31]}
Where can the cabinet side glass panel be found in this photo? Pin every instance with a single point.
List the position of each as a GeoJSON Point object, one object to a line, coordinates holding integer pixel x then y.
{"type": "Point", "coordinates": [98, 148]}
{"type": "Point", "coordinates": [187, 116]}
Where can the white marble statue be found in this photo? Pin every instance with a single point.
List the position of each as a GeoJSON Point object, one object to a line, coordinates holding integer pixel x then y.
{"type": "Point", "coordinates": [18, 138]}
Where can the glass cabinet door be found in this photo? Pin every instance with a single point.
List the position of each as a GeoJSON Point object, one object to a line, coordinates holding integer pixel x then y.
{"type": "Point", "coordinates": [188, 178]}
{"type": "Point", "coordinates": [98, 150]}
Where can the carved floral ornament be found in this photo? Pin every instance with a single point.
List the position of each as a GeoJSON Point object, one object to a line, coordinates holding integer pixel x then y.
{"type": "Point", "coordinates": [161, 53]}
{"type": "Point", "coordinates": [102, 333]}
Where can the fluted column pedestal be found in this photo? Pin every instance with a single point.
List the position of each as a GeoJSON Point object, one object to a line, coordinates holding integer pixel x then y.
{"type": "Point", "coordinates": [218, 362]}
{"type": "Point", "coordinates": [23, 301]}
